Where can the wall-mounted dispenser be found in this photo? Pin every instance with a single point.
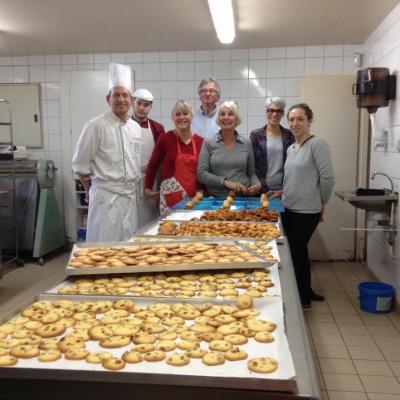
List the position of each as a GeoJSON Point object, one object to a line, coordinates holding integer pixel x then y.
{"type": "Point", "coordinates": [374, 88]}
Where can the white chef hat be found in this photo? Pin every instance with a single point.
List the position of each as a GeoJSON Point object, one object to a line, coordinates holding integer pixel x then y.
{"type": "Point", "coordinates": [143, 94]}
{"type": "Point", "coordinates": [120, 75]}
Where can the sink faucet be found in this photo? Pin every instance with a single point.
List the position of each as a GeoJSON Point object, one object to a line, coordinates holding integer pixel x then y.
{"type": "Point", "coordinates": [387, 176]}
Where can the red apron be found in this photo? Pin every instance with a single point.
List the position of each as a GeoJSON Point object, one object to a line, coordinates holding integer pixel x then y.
{"type": "Point", "coordinates": [184, 182]}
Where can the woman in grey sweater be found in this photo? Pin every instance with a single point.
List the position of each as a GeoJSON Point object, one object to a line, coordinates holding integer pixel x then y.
{"type": "Point", "coordinates": [226, 161]}
{"type": "Point", "coordinates": [307, 186]}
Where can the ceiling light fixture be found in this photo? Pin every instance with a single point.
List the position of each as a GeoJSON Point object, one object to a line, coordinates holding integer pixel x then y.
{"type": "Point", "coordinates": [222, 16]}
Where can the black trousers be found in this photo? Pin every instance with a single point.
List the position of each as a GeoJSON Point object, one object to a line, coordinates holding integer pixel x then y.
{"type": "Point", "coordinates": [299, 229]}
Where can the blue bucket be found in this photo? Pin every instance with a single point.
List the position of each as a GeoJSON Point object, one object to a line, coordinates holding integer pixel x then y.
{"type": "Point", "coordinates": [376, 297]}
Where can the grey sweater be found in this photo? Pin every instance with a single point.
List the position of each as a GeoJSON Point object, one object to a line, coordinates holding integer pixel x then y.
{"type": "Point", "coordinates": [217, 163]}
{"type": "Point", "coordinates": [309, 179]}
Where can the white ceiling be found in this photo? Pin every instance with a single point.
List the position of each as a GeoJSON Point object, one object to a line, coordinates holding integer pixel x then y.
{"type": "Point", "coordinates": [103, 26]}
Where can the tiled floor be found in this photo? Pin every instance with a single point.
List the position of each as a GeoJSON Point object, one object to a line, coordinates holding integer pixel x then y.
{"type": "Point", "coordinates": [357, 353]}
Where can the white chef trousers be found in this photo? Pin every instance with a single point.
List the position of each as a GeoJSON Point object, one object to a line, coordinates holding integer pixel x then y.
{"type": "Point", "coordinates": [112, 217]}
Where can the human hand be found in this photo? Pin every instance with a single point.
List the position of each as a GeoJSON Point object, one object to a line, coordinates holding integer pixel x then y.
{"type": "Point", "coordinates": [151, 193]}
{"type": "Point", "coordinates": [253, 189]}
{"type": "Point", "coordinates": [274, 194]}
{"type": "Point", "coordinates": [236, 186]}
{"type": "Point", "coordinates": [322, 216]}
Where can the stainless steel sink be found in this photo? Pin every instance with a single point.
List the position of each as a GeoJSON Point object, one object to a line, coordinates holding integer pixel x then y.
{"type": "Point", "coordinates": [370, 203]}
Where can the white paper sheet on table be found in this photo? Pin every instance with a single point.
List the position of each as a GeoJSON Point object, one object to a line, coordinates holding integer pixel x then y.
{"type": "Point", "coordinates": [271, 310]}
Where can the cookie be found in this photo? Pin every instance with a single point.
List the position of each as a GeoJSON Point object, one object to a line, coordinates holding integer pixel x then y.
{"type": "Point", "coordinates": [166, 345]}
{"type": "Point", "coordinates": [264, 337]}
{"type": "Point", "coordinates": [220, 345]}
{"type": "Point", "coordinates": [196, 353]}
{"type": "Point", "coordinates": [100, 332]}
{"type": "Point", "coordinates": [258, 325]}
{"type": "Point", "coordinates": [144, 348]}
{"type": "Point", "coordinates": [132, 357]}
{"type": "Point", "coordinates": [97, 357]}
{"type": "Point", "coordinates": [167, 335]}
{"type": "Point", "coordinates": [114, 342]}
{"type": "Point", "coordinates": [24, 351]}
{"type": "Point", "coordinates": [143, 338]}
{"type": "Point", "coordinates": [113, 363]}
{"type": "Point", "coordinates": [66, 344]}
{"type": "Point", "coordinates": [49, 355]}
{"type": "Point", "coordinates": [236, 339]}
{"type": "Point", "coordinates": [50, 330]}
{"type": "Point", "coordinates": [178, 359]}
{"type": "Point", "coordinates": [244, 301]}
{"type": "Point", "coordinates": [235, 354]}
{"type": "Point", "coordinates": [76, 354]}
{"type": "Point", "coordinates": [264, 365]}
{"type": "Point", "coordinates": [187, 345]}
{"type": "Point", "coordinates": [8, 361]}
{"type": "Point", "coordinates": [154, 356]}
{"type": "Point", "coordinates": [213, 358]}
{"type": "Point", "coordinates": [210, 336]}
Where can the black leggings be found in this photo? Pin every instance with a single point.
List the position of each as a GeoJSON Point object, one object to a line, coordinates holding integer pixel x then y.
{"type": "Point", "coordinates": [299, 229]}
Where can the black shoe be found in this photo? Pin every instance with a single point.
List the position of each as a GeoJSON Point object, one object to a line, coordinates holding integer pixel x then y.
{"type": "Point", "coordinates": [306, 306]}
{"type": "Point", "coordinates": [316, 297]}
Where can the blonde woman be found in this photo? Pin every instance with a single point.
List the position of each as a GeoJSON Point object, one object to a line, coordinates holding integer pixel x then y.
{"type": "Point", "coordinates": [178, 152]}
{"type": "Point", "coordinates": [226, 160]}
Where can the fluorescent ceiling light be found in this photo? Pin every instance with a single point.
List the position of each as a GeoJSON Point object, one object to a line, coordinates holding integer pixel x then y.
{"type": "Point", "coordinates": [222, 16]}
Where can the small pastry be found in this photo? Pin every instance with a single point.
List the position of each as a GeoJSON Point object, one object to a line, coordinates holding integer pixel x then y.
{"type": "Point", "coordinates": [189, 204]}
{"type": "Point", "coordinates": [195, 200]}
{"type": "Point", "coordinates": [265, 203]}
{"type": "Point", "coordinates": [226, 204]}
{"type": "Point", "coordinates": [199, 195]}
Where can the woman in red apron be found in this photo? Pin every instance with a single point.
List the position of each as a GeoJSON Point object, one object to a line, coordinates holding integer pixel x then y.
{"type": "Point", "coordinates": [178, 152]}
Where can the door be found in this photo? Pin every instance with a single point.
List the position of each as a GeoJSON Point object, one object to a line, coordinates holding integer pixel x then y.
{"type": "Point", "coordinates": [335, 120]}
{"type": "Point", "coordinates": [83, 96]}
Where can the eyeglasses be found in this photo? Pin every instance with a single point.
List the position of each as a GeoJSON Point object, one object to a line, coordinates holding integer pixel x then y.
{"type": "Point", "coordinates": [275, 111]}
{"type": "Point", "coordinates": [204, 91]}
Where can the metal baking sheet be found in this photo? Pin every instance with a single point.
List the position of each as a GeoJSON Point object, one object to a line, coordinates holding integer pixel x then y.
{"type": "Point", "coordinates": [159, 267]}
{"type": "Point", "coordinates": [271, 309]}
{"type": "Point", "coordinates": [152, 230]}
{"type": "Point", "coordinates": [273, 275]}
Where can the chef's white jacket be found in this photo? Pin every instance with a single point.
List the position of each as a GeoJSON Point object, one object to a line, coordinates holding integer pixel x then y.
{"type": "Point", "coordinates": [109, 151]}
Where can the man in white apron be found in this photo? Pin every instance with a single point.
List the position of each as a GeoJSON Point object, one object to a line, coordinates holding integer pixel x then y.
{"type": "Point", "coordinates": [151, 131]}
{"type": "Point", "coordinates": [107, 161]}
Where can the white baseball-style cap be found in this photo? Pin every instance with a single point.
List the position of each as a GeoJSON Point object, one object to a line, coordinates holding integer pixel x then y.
{"type": "Point", "coordinates": [143, 94]}
{"type": "Point", "coordinates": [120, 75]}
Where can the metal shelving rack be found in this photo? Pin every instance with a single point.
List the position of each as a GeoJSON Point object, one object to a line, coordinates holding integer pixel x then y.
{"type": "Point", "coordinates": [8, 256]}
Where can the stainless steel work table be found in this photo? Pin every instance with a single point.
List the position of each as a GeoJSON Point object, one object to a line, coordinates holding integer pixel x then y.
{"type": "Point", "coordinates": [67, 384]}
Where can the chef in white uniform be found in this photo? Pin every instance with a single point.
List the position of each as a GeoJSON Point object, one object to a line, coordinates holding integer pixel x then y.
{"type": "Point", "coordinates": [107, 161]}
{"type": "Point", "coordinates": [151, 131]}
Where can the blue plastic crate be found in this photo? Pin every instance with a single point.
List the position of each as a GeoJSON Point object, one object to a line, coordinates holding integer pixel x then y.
{"type": "Point", "coordinates": [241, 203]}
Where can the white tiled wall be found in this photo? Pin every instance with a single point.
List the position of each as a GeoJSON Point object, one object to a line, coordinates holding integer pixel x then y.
{"type": "Point", "coordinates": [382, 49]}
{"type": "Point", "coordinates": [246, 75]}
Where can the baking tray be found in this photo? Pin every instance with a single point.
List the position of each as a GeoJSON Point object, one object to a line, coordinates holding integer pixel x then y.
{"type": "Point", "coordinates": [271, 309]}
{"type": "Point", "coordinates": [161, 267]}
{"type": "Point", "coordinates": [239, 203]}
{"type": "Point", "coordinates": [151, 230]}
{"type": "Point", "coordinates": [188, 215]}
{"type": "Point", "coordinates": [273, 275]}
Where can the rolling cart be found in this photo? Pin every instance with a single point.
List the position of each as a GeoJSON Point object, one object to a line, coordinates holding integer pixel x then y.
{"type": "Point", "coordinates": [8, 211]}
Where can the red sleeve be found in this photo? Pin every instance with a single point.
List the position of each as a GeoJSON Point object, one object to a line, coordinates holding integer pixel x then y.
{"type": "Point", "coordinates": [155, 160]}
{"type": "Point", "coordinates": [157, 129]}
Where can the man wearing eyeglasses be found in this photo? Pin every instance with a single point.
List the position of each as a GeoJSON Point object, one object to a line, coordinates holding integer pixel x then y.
{"type": "Point", "coordinates": [203, 122]}
{"type": "Point", "coordinates": [269, 147]}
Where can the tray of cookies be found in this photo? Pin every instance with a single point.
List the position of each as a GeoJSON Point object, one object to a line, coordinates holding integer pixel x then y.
{"type": "Point", "coordinates": [257, 215]}
{"type": "Point", "coordinates": [219, 284]}
{"type": "Point", "coordinates": [117, 258]}
{"type": "Point", "coordinates": [244, 339]}
{"type": "Point", "coordinates": [214, 229]}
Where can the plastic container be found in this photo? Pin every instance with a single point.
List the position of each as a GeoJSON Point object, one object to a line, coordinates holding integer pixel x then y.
{"type": "Point", "coordinates": [376, 297]}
